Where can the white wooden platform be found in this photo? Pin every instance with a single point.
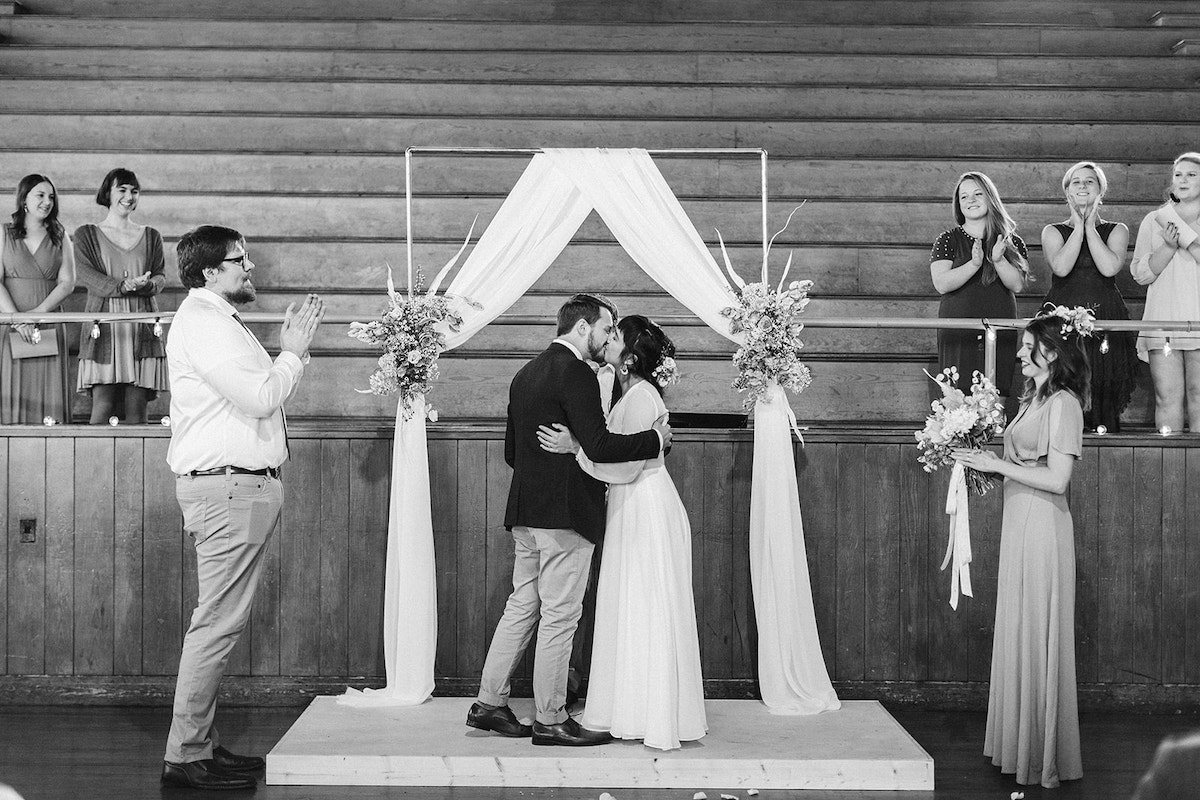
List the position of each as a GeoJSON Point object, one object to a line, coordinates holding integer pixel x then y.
{"type": "Point", "coordinates": [859, 747]}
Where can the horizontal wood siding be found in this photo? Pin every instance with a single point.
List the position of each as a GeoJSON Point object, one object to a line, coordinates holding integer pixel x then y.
{"type": "Point", "coordinates": [107, 587]}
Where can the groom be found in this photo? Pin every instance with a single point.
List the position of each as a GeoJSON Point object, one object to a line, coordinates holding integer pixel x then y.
{"type": "Point", "coordinates": [556, 515]}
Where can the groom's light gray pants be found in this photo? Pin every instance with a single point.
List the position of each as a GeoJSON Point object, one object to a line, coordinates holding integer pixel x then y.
{"type": "Point", "coordinates": [550, 575]}
{"type": "Point", "coordinates": [231, 518]}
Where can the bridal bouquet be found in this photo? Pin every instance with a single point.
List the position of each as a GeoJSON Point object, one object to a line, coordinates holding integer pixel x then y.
{"type": "Point", "coordinates": [961, 420]}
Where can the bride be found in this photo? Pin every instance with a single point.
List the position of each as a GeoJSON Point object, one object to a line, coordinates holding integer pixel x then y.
{"type": "Point", "coordinates": [645, 679]}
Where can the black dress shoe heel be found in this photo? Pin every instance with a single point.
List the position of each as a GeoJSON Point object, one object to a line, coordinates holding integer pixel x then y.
{"type": "Point", "coordinates": [497, 720]}
{"type": "Point", "coordinates": [203, 775]}
{"type": "Point", "coordinates": [232, 762]}
{"type": "Point", "coordinates": [568, 734]}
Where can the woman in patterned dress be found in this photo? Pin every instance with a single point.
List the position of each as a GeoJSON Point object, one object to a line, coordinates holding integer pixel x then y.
{"type": "Point", "coordinates": [121, 264]}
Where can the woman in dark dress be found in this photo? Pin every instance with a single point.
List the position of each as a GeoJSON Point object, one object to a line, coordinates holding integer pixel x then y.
{"type": "Point", "coordinates": [977, 268]}
{"type": "Point", "coordinates": [1086, 254]}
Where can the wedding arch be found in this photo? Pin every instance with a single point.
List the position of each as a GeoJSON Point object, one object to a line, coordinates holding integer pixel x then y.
{"type": "Point", "coordinates": [552, 198]}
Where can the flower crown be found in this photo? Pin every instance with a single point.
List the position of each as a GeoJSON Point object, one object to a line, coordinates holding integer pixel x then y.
{"type": "Point", "coordinates": [1078, 320]}
{"type": "Point", "coordinates": [666, 373]}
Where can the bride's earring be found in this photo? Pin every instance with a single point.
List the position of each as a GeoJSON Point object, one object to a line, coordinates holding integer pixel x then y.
{"type": "Point", "coordinates": [625, 368]}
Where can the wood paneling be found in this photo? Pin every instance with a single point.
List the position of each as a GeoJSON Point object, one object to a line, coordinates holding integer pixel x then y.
{"type": "Point", "coordinates": [108, 588]}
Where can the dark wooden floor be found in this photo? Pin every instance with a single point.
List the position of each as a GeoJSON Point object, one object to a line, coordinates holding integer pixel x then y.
{"type": "Point", "coordinates": [110, 753]}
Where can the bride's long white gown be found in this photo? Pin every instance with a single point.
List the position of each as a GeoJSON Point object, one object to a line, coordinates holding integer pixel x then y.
{"type": "Point", "coordinates": [645, 680]}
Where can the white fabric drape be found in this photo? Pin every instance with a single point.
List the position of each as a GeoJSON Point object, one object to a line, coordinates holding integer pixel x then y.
{"type": "Point", "coordinates": [537, 220]}
{"type": "Point", "coordinates": [791, 671]}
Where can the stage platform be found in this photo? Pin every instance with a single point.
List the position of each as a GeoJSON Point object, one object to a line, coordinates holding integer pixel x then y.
{"type": "Point", "coordinates": [859, 747]}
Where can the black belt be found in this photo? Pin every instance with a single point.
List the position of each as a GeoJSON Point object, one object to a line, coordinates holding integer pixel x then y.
{"type": "Point", "coordinates": [270, 472]}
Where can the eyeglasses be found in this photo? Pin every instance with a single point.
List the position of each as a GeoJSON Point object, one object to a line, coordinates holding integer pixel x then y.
{"type": "Point", "coordinates": [240, 260]}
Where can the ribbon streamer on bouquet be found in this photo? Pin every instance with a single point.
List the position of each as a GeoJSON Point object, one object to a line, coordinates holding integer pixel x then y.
{"type": "Point", "coordinates": [791, 415]}
{"type": "Point", "coordinates": [958, 547]}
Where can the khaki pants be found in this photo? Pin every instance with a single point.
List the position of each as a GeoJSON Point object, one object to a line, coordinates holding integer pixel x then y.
{"type": "Point", "coordinates": [550, 576]}
{"type": "Point", "coordinates": [230, 518]}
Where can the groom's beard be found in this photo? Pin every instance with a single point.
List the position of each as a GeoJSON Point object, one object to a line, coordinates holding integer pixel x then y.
{"type": "Point", "coordinates": [596, 349]}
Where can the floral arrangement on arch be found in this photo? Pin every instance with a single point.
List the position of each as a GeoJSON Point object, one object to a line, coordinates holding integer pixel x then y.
{"type": "Point", "coordinates": [408, 331]}
{"type": "Point", "coordinates": [770, 320]}
{"type": "Point", "coordinates": [961, 420]}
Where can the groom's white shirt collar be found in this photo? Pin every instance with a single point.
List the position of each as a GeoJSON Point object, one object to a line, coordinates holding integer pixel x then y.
{"type": "Point", "coordinates": [570, 347]}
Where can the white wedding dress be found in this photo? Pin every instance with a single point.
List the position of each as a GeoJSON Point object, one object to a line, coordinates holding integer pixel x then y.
{"type": "Point", "coordinates": [645, 680]}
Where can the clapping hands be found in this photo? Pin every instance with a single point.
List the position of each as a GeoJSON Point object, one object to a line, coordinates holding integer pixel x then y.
{"type": "Point", "coordinates": [977, 253]}
{"type": "Point", "coordinates": [299, 327]}
{"type": "Point", "coordinates": [999, 249]}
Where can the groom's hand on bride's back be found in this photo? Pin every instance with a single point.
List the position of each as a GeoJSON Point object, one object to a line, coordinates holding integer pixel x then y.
{"type": "Point", "coordinates": [663, 426]}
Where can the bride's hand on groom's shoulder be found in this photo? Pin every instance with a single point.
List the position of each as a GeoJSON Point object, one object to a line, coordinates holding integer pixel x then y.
{"type": "Point", "coordinates": [557, 439]}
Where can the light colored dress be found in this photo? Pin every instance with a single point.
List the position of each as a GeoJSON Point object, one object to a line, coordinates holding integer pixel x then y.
{"type": "Point", "coordinates": [645, 678]}
{"type": "Point", "coordinates": [1173, 295]}
{"type": "Point", "coordinates": [32, 389]}
{"type": "Point", "coordinates": [1033, 718]}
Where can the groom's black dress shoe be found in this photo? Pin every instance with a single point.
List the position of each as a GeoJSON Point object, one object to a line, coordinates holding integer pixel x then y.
{"type": "Point", "coordinates": [232, 762]}
{"type": "Point", "coordinates": [568, 734]}
{"type": "Point", "coordinates": [498, 720]}
{"type": "Point", "coordinates": [203, 775]}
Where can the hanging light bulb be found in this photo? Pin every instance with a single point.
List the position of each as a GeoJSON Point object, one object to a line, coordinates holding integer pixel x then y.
{"type": "Point", "coordinates": [1104, 345]}
{"type": "Point", "coordinates": [991, 334]}
{"type": "Point", "coordinates": [1165, 430]}
{"type": "Point", "coordinates": [49, 421]}
{"type": "Point", "coordinates": [1101, 430]}
{"type": "Point", "coordinates": [1167, 347]}
{"type": "Point", "coordinates": [158, 332]}
{"type": "Point", "coordinates": [114, 421]}
{"type": "Point", "coordinates": [95, 330]}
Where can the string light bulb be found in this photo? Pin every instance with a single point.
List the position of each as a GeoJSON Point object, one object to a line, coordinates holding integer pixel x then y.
{"type": "Point", "coordinates": [1165, 430]}
{"type": "Point", "coordinates": [114, 421]}
{"type": "Point", "coordinates": [95, 330]}
{"type": "Point", "coordinates": [1167, 347]}
{"type": "Point", "coordinates": [1104, 346]}
{"type": "Point", "coordinates": [1101, 430]}
{"type": "Point", "coordinates": [158, 331]}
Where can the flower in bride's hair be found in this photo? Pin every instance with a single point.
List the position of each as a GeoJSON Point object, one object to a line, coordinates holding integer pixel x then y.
{"type": "Point", "coordinates": [666, 373]}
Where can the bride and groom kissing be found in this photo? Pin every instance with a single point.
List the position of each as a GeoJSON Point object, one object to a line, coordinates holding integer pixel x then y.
{"type": "Point", "coordinates": [645, 681]}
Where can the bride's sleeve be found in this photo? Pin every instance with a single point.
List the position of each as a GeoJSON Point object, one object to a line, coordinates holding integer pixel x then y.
{"type": "Point", "coordinates": [639, 414]}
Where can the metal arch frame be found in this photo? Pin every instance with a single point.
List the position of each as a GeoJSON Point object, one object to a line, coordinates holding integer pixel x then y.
{"type": "Point", "coordinates": [531, 151]}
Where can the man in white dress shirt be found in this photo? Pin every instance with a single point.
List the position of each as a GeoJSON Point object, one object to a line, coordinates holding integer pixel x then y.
{"type": "Point", "coordinates": [228, 440]}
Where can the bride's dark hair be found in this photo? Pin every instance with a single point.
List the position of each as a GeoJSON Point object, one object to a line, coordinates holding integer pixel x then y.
{"type": "Point", "coordinates": [647, 343]}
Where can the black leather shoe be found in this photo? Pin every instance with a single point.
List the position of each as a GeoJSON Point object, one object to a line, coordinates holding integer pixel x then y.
{"type": "Point", "coordinates": [498, 720]}
{"type": "Point", "coordinates": [232, 762]}
{"type": "Point", "coordinates": [203, 775]}
{"type": "Point", "coordinates": [568, 734]}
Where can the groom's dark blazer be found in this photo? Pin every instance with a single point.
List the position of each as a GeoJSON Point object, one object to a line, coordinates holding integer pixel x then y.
{"type": "Point", "coordinates": [549, 490]}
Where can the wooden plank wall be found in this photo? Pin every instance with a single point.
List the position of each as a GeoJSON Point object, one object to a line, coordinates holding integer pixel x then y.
{"type": "Point", "coordinates": [106, 587]}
